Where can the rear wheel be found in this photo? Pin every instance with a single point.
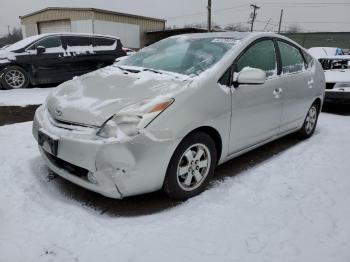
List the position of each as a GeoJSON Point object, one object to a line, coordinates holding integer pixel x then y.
{"type": "Point", "coordinates": [14, 77]}
{"type": "Point", "coordinates": [191, 167]}
{"type": "Point", "coordinates": [310, 122]}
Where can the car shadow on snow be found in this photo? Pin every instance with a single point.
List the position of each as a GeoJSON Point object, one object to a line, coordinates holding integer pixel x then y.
{"type": "Point", "coordinates": [157, 202]}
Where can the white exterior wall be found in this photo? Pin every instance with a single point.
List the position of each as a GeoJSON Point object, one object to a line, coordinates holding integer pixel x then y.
{"type": "Point", "coordinates": [24, 33]}
{"type": "Point", "coordinates": [129, 34]}
{"type": "Point", "coordinates": [82, 26]}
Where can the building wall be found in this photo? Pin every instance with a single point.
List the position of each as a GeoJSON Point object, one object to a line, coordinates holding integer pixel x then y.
{"type": "Point", "coordinates": [82, 26]}
{"type": "Point", "coordinates": [145, 25]}
{"type": "Point", "coordinates": [330, 39]}
{"type": "Point", "coordinates": [88, 21]}
{"type": "Point", "coordinates": [128, 33]}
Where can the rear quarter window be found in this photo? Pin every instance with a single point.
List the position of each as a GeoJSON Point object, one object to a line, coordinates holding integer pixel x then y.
{"type": "Point", "coordinates": [105, 44]}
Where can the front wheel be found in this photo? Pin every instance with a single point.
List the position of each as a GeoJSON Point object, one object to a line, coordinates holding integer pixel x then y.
{"type": "Point", "coordinates": [191, 167]}
{"type": "Point", "coordinates": [310, 122]}
{"type": "Point", "coordinates": [14, 77]}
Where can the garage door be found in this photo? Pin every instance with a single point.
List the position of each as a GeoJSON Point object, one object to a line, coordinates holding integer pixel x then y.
{"type": "Point", "coordinates": [54, 26]}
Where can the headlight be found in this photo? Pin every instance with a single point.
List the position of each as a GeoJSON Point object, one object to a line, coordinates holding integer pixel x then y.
{"type": "Point", "coordinates": [127, 122]}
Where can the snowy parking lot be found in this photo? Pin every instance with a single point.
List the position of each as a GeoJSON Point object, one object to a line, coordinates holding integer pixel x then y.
{"type": "Point", "coordinates": [288, 201]}
{"type": "Point", "coordinates": [24, 97]}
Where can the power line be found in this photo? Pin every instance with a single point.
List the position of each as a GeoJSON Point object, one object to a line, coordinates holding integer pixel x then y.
{"type": "Point", "coordinates": [214, 11]}
{"type": "Point", "coordinates": [304, 22]}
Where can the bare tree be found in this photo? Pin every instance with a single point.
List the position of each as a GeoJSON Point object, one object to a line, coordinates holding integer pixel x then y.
{"type": "Point", "coordinates": [240, 27]}
{"type": "Point", "coordinates": [196, 25]}
{"type": "Point", "coordinates": [14, 36]}
{"type": "Point", "coordinates": [203, 25]}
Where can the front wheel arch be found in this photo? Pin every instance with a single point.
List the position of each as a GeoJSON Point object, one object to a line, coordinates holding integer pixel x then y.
{"type": "Point", "coordinates": [214, 134]}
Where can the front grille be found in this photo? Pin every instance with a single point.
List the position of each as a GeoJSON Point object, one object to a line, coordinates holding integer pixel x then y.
{"type": "Point", "coordinates": [330, 85]}
{"type": "Point", "coordinates": [70, 168]}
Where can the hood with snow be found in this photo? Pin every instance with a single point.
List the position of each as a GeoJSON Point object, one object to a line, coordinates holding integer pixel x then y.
{"type": "Point", "coordinates": [6, 56]}
{"type": "Point", "coordinates": [93, 98]}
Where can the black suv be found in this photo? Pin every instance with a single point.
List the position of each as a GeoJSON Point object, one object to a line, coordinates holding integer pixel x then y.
{"type": "Point", "coordinates": [54, 58]}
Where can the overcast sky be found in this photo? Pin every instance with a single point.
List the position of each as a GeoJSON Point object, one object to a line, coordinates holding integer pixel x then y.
{"type": "Point", "coordinates": [310, 15]}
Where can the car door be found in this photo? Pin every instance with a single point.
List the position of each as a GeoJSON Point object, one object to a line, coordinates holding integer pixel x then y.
{"type": "Point", "coordinates": [79, 54]}
{"type": "Point", "coordinates": [256, 108]}
{"type": "Point", "coordinates": [297, 86]}
{"type": "Point", "coordinates": [47, 65]}
{"type": "Point", "coordinates": [106, 50]}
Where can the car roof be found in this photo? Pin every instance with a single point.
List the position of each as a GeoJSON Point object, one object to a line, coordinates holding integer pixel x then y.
{"type": "Point", "coordinates": [241, 36]}
{"type": "Point", "coordinates": [77, 34]}
{"type": "Point", "coordinates": [235, 35]}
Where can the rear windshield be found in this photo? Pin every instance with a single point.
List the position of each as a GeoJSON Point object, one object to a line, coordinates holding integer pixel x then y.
{"type": "Point", "coordinates": [184, 55]}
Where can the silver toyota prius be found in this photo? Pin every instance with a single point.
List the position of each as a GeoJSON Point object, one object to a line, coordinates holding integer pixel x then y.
{"type": "Point", "coordinates": [166, 116]}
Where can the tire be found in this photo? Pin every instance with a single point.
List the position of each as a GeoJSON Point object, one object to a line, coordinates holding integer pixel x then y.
{"type": "Point", "coordinates": [310, 122]}
{"type": "Point", "coordinates": [191, 167]}
{"type": "Point", "coordinates": [14, 77]}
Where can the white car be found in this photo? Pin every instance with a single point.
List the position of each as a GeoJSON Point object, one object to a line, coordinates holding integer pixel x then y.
{"type": "Point", "coordinates": [318, 52]}
{"type": "Point", "coordinates": [337, 73]}
{"type": "Point", "coordinates": [165, 117]}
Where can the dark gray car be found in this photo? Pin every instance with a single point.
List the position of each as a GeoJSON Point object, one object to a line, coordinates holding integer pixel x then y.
{"type": "Point", "coordinates": [54, 58]}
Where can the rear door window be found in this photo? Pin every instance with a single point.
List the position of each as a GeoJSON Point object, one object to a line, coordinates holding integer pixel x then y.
{"type": "Point", "coordinates": [260, 55]}
{"type": "Point", "coordinates": [105, 44]}
{"type": "Point", "coordinates": [292, 60]}
{"type": "Point", "coordinates": [78, 45]}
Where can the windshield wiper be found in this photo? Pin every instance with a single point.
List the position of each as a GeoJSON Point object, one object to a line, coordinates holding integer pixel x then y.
{"type": "Point", "coordinates": [129, 70]}
{"type": "Point", "coordinates": [152, 70]}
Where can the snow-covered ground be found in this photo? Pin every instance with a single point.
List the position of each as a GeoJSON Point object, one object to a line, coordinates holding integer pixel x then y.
{"type": "Point", "coordinates": [24, 97]}
{"type": "Point", "coordinates": [292, 207]}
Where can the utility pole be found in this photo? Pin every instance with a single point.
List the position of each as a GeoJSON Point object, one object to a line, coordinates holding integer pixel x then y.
{"type": "Point", "coordinates": [209, 15]}
{"type": "Point", "coordinates": [8, 29]}
{"type": "Point", "coordinates": [253, 15]}
{"type": "Point", "coordinates": [280, 23]}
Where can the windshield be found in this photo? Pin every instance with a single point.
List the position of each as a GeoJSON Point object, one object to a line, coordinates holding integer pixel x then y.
{"type": "Point", "coordinates": [335, 63]}
{"type": "Point", "coordinates": [183, 55]}
{"type": "Point", "coordinates": [23, 43]}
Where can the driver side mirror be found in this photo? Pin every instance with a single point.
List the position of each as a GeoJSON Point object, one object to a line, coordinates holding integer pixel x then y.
{"type": "Point", "coordinates": [250, 76]}
{"type": "Point", "coordinates": [40, 50]}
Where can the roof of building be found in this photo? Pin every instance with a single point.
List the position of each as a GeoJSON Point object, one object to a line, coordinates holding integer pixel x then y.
{"type": "Point", "coordinates": [182, 30]}
{"type": "Point", "coordinates": [92, 10]}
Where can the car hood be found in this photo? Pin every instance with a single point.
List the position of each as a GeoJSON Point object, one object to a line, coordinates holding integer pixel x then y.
{"type": "Point", "coordinates": [95, 97]}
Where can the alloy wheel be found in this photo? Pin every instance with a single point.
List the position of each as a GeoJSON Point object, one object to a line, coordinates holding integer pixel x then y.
{"type": "Point", "coordinates": [15, 78]}
{"type": "Point", "coordinates": [311, 119]}
{"type": "Point", "coordinates": [193, 167]}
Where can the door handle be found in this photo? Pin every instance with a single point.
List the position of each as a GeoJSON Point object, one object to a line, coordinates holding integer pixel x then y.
{"type": "Point", "coordinates": [277, 92]}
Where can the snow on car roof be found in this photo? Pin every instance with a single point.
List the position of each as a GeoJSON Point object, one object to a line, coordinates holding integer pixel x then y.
{"type": "Point", "coordinates": [27, 41]}
{"type": "Point", "coordinates": [235, 35]}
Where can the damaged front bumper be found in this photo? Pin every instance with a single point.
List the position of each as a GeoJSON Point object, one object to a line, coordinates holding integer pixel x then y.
{"type": "Point", "coordinates": [112, 168]}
